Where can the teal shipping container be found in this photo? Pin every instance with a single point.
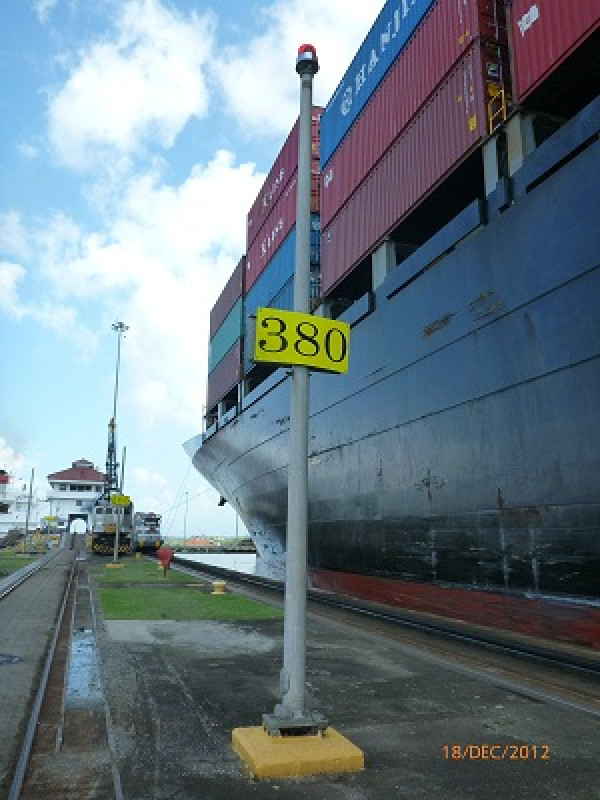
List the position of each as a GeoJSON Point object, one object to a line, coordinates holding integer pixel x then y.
{"type": "Point", "coordinates": [227, 335]}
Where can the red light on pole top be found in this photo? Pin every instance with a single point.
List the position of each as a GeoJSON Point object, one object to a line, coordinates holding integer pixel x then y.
{"type": "Point", "coordinates": [307, 48]}
{"type": "Point", "coordinates": [306, 62]}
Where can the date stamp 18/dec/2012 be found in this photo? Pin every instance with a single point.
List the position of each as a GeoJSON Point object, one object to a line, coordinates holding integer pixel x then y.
{"type": "Point", "coordinates": [496, 752]}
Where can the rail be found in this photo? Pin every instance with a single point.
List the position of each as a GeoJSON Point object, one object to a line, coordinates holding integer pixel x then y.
{"type": "Point", "coordinates": [498, 642]}
{"type": "Point", "coordinates": [15, 579]}
{"type": "Point", "coordinates": [21, 768]}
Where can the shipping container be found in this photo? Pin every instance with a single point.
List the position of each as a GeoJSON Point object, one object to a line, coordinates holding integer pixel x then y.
{"type": "Point", "coordinates": [225, 376]}
{"type": "Point", "coordinates": [284, 299]}
{"type": "Point", "coordinates": [442, 39]}
{"type": "Point", "coordinates": [224, 338]}
{"type": "Point", "coordinates": [278, 225]}
{"type": "Point", "coordinates": [543, 34]}
{"type": "Point", "coordinates": [278, 272]}
{"type": "Point", "coordinates": [390, 32]}
{"type": "Point", "coordinates": [234, 289]}
{"type": "Point", "coordinates": [268, 291]}
{"type": "Point", "coordinates": [449, 126]}
{"type": "Point", "coordinates": [280, 175]}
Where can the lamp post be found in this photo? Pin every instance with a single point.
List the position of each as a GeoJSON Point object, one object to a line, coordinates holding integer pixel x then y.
{"type": "Point", "coordinates": [120, 328]}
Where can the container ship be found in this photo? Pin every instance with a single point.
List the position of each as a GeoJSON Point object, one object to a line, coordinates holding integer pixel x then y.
{"type": "Point", "coordinates": [455, 469]}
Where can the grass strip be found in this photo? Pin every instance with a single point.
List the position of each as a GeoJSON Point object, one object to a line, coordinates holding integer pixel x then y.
{"type": "Point", "coordinates": [11, 562]}
{"type": "Point", "coordinates": [181, 604]}
{"type": "Point", "coordinates": [137, 570]}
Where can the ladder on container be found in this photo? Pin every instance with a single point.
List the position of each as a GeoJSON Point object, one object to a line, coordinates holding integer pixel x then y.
{"type": "Point", "coordinates": [497, 108]}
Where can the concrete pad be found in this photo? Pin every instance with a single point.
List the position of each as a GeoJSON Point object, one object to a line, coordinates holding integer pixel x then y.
{"type": "Point", "coordinates": [208, 638]}
{"type": "Point", "coordinates": [289, 756]}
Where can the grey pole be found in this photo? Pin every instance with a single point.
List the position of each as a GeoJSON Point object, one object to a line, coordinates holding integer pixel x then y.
{"type": "Point", "coordinates": [123, 470]}
{"type": "Point", "coordinates": [26, 543]}
{"type": "Point", "coordinates": [291, 714]}
{"type": "Point", "coordinates": [117, 532]}
{"type": "Point", "coordinates": [185, 521]}
{"type": "Point", "coordinates": [120, 328]}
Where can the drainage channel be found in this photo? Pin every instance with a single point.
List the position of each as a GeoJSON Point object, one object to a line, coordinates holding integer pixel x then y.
{"type": "Point", "coordinates": [72, 754]}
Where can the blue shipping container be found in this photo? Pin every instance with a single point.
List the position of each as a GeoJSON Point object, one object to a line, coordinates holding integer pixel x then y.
{"type": "Point", "coordinates": [278, 273]}
{"type": "Point", "coordinates": [394, 26]}
{"type": "Point", "coordinates": [283, 299]}
{"type": "Point", "coordinates": [281, 267]}
{"type": "Point", "coordinates": [227, 335]}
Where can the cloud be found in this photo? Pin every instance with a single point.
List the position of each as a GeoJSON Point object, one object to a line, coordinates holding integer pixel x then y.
{"type": "Point", "coordinates": [61, 319]}
{"type": "Point", "coordinates": [43, 8]}
{"type": "Point", "coordinates": [10, 276]}
{"type": "Point", "coordinates": [13, 235]}
{"type": "Point", "coordinates": [146, 477]}
{"type": "Point", "coordinates": [27, 151]}
{"type": "Point", "coordinates": [142, 86]}
{"type": "Point", "coordinates": [10, 459]}
{"type": "Point", "coordinates": [159, 265]}
{"type": "Point", "coordinates": [258, 78]}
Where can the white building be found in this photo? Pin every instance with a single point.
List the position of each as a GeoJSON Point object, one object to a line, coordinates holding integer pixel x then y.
{"type": "Point", "coordinates": [73, 493]}
{"type": "Point", "coordinates": [14, 499]}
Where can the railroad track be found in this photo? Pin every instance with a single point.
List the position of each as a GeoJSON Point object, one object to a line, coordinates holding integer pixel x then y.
{"type": "Point", "coordinates": [564, 675]}
{"type": "Point", "coordinates": [67, 750]}
{"type": "Point", "coordinates": [15, 579]}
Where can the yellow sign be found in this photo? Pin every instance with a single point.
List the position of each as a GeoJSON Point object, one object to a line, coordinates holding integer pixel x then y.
{"type": "Point", "coordinates": [120, 499]}
{"type": "Point", "coordinates": [290, 337]}
{"type": "Point", "coordinates": [49, 519]}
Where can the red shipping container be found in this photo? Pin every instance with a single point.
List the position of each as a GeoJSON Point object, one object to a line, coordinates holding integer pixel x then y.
{"type": "Point", "coordinates": [279, 177]}
{"type": "Point", "coordinates": [224, 376]}
{"type": "Point", "coordinates": [234, 289]}
{"type": "Point", "coordinates": [543, 33]}
{"type": "Point", "coordinates": [450, 125]}
{"type": "Point", "coordinates": [441, 40]}
{"type": "Point", "coordinates": [279, 223]}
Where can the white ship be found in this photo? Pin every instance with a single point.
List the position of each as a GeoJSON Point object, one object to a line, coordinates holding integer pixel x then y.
{"type": "Point", "coordinates": [14, 498]}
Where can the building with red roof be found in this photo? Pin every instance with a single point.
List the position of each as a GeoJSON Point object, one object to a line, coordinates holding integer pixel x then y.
{"type": "Point", "coordinates": [73, 492]}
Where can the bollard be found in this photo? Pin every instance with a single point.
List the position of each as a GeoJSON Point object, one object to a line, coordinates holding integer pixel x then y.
{"type": "Point", "coordinates": [218, 587]}
{"type": "Point", "coordinates": [165, 554]}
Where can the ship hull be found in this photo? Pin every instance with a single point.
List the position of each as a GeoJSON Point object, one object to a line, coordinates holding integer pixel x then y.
{"type": "Point", "coordinates": [456, 468]}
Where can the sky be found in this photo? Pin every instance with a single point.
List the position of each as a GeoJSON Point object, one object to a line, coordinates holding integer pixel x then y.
{"type": "Point", "coordinates": [134, 138]}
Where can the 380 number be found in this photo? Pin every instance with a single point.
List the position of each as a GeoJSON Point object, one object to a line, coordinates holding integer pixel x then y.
{"type": "Point", "coordinates": [291, 338]}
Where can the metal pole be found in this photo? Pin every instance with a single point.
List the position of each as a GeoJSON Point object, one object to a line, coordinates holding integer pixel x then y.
{"type": "Point", "coordinates": [185, 521]}
{"type": "Point", "coordinates": [28, 508]}
{"type": "Point", "coordinates": [291, 714]}
{"type": "Point", "coordinates": [116, 551]}
{"type": "Point", "coordinates": [123, 470]}
{"type": "Point", "coordinates": [120, 328]}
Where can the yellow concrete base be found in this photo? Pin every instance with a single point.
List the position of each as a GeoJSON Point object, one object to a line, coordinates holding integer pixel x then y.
{"type": "Point", "coordinates": [113, 565]}
{"type": "Point", "coordinates": [218, 587]}
{"type": "Point", "coordinates": [289, 756]}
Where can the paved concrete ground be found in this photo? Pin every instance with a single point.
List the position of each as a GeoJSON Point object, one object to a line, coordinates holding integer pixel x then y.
{"type": "Point", "coordinates": [176, 690]}
{"type": "Point", "coordinates": [26, 623]}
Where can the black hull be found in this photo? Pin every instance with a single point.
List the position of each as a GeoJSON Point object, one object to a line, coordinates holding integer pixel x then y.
{"type": "Point", "coordinates": [462, 450]}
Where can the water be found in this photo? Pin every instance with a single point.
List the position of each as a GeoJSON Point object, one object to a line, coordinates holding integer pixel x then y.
{"type": "Point", "coordinates": [239, 562]}
{"type": "Point", "coordinates": [83, 677]}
